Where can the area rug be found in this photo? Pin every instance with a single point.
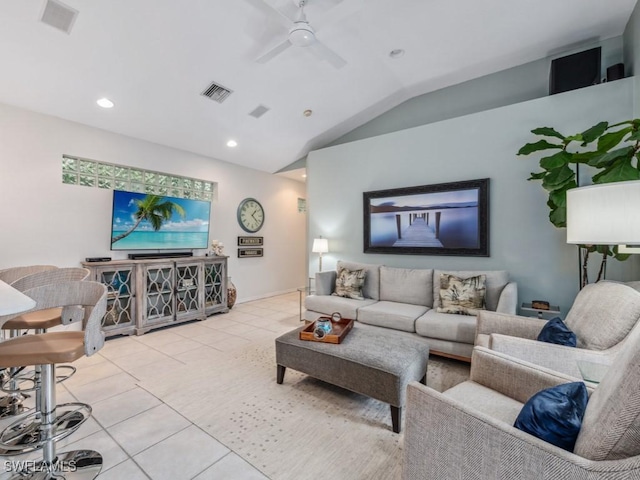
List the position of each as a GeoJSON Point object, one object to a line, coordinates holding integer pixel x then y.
{"type": "Point", "coordinates": [301, 429]}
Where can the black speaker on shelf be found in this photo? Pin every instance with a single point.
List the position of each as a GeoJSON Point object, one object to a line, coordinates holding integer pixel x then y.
{"type": "Point", "coordinates": [615, 72]}
{"type": "Point", "coordinates": [144, 256]}
{"type": "Point", "coordinates": [575, 71]}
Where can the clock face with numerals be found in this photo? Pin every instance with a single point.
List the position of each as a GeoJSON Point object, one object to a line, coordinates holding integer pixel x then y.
{"type": "Point", "coordinates": [250, 215]}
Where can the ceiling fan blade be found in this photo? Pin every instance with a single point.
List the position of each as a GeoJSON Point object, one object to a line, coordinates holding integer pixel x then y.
{"type": "Point", "coordinates": [273, 52]}
{"type": "Point", "coordinates": [323, 52]}
{"type": "Point", "coordinates": [272, 12]}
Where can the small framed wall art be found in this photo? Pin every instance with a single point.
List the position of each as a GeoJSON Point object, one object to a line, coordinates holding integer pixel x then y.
{"type": "Point", "coordinates": [250, 241]}
{"type": "Point", "coordinates": [250, 252]}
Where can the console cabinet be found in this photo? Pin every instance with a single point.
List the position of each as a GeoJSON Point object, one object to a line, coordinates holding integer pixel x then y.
{"type": "Point", "coordinates": [152, 293]}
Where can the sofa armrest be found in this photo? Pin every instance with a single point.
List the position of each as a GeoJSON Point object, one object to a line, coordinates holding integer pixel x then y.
{"type": "Point", "coordinates": [514, 325]}
{"type": "Point", "coordinates": [325, 282]}
{"type": "Point", "coordinates": [512, 376]}
{"type": "Point", "coordinates": [508, 301]}
{"type": "Point", "coordinates": [555, 357]}
{"type": "Point", "coordinates": [445, 439]}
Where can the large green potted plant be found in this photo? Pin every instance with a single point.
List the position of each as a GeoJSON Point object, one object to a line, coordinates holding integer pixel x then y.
{"type": "Point", "coordinates": [612, 151]}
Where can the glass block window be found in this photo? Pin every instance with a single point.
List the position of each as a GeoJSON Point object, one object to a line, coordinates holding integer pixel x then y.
{"type": "Point", "coordinates": [91, 173]}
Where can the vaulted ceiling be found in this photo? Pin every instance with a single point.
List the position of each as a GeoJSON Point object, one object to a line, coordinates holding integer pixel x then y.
{"type": "Point", "coordinates": [154, 58]}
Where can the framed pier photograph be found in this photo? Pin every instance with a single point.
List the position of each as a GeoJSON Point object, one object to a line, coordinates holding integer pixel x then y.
{"type": "Point", "coordinates": [440, 219]}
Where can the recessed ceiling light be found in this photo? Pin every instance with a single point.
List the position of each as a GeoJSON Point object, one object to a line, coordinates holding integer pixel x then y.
{"type": "Point", "coordinates": [105, 103]}
{"type": "Point", "coordinates": [396, 53]}
{"type": "Point", "coordinates": [232, 143]}
{"type": "Point", "coordinates": [304, 175]}
{"type": "Point", "coordinates": [308, 112]}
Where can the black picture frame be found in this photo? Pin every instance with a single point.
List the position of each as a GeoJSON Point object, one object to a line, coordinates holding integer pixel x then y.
{"type": "Point", "coordinates": [250, 252]}
{"type": "Point", "coordinates": [446, 219]}
{"type": "Point", "coordinates": [244, 241]}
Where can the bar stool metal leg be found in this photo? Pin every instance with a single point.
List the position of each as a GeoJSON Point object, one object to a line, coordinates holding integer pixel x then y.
{"type": "Point", "coordinates": [74, 465]}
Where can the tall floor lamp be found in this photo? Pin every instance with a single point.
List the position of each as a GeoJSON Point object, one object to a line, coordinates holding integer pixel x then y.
{"type": "Point", "coordinates": [605, 214]}
{"type": "Point", "coordinates": [320, 246]}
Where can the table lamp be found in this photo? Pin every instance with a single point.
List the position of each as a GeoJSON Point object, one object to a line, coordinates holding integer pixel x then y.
{"type": "Point", "coordinates": [320, 246]}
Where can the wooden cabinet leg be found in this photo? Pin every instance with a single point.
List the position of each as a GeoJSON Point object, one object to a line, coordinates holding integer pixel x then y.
{"type": "Point", "coordinates": [280, 375]}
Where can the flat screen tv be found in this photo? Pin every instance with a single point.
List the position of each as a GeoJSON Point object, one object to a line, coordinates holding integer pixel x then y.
{"type": "Point", "coordinates": [142, 221]}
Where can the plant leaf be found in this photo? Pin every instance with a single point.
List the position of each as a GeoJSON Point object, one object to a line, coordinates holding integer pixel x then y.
{"type": "Point", "coordinates": [559, 197]}
{"type": "Point", "coordinates": [535, 147]}
{"type": "Point", "coordinates": [583, 157]}
{"type": "Point", "coordinates": [556, 160]}
{"type": "Point", "coordinates": [594, 132]}
{"type": "Point", "coordinates": [558, 177]}
{"type": "Point", "coordinates": [537, 176]}
{"type": "Point", "coordinates": [635, 136]}
{"type": "Point", "coordinates": [602, 161]}
{"type": "Point", "coordinates": [558, 216]}
{"type": "Point", "coordinates": [547, 132]}
{"type": "Point", "coordinates": [620, 171]}
{"type": "Point", "coordinates": [609, 140]}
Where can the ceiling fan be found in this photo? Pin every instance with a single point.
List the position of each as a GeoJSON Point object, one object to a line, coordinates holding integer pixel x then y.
{"type": "Point", "coordinates": [301, 34]}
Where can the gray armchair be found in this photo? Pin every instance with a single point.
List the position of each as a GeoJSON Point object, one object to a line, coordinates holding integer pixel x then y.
{"type": "Point", "coordinates": [602, 316]}
{"type": "Point", "coordinates": [467, 431]}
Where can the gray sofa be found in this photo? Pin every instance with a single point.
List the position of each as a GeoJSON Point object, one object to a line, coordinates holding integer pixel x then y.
{"type": "Point", "coordinates": [406, 299]}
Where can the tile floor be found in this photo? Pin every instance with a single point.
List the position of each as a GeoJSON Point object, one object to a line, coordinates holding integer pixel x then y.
{"type": "Point", "coordinates": [108, 381]}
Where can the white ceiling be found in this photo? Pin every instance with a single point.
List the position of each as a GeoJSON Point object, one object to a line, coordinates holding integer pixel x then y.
{"type": "Point", "coordinates": [153, 58]}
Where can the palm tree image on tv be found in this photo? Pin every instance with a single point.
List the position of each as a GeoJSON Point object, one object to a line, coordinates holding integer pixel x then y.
{"type": "Point", "coordinates": [155, 210]}
{"type": "Point", "coordinates": [143, 221]}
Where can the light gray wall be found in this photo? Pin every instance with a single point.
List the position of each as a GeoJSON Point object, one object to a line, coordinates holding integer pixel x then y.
{"type": "Point", "coordinates": [45, 221]}
{"type": "Point", "coordinates": [514, 85]}
{"type": "Point", "coordinates": [522, 240]}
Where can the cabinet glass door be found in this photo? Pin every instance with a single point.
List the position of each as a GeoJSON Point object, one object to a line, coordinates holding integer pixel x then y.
{"type": "Point", "coordinates": [187, 288]}
{"type": "Point", "coordinates": [213, 283]}
{"type": "Point", "coordinates": [160, 292]}
{"type": "Point", "coordinates": [120, 295]}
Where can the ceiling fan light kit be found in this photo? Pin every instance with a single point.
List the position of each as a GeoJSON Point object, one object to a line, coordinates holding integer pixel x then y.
{"type": "Point", "coordinates": [302, 35]}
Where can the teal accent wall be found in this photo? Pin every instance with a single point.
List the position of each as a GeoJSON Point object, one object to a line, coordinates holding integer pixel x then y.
{"type": "Point", "coordinates": [477, 145]}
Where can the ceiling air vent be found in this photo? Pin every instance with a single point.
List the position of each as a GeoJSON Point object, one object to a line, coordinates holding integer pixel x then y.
{"type": "Point", "coordinates": [217, 92]}
{"type": "Point", "coordinates": [259, 111]}
{"type": "Point", "coordinates": [58, 15]}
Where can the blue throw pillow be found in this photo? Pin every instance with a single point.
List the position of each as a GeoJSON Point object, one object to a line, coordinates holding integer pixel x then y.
{"type": "Point", "coordinates": [555, 331]}
{"type": "Point", "coordinates": [555, 414]}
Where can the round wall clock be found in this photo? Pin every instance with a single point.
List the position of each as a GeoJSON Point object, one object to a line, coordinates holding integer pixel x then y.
{"type": "Point", "coordinates": [250, 215]}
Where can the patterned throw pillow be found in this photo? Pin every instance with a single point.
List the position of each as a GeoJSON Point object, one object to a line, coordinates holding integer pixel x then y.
{"type": "Point", "coordinates": [349, 283]}
{"type": "Point", "coordinates": [462, 295]}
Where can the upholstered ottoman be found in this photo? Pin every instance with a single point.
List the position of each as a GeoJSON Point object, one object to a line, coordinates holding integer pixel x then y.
{"type": "Point", "coordinates": [372, 361]}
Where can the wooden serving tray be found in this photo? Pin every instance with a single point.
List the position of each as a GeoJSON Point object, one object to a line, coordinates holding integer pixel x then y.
{"type": "Point", "coordinates": [339, 330]}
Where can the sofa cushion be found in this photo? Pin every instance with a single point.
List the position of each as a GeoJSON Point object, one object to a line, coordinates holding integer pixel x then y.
{"type": "Point", "coordinates": [603, 313]}
{"type": "Point", "coordinates": [398, 316]}
{"type": "Point", "coordinates": [447, 326]}
{"type": "Point", "coordinates": [327, 304]}
{"type": "Point", "coordinates": [349, 283]}
{"type": "Point", "coordinates": [325, 282]}
{"type": "Point", "coordinates": [371, 287]}
{"type": "Point", "coordinates": [464, 296]}
{"type": "Point", "coordinates": [495, 282]}
{"type": "Point", "coordinates": [406, 285]}
{"type": "Point", "coordinates": [485, 400]}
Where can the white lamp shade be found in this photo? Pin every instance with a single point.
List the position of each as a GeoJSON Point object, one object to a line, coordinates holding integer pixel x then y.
{"type": "Point", "coordinates": [320, 245]}
{"type": "Point", "coordinates": [606, 214]}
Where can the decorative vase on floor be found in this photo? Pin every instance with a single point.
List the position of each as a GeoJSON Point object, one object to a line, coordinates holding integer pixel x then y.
{"type": "Point", "coordinates": [232, 293]}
